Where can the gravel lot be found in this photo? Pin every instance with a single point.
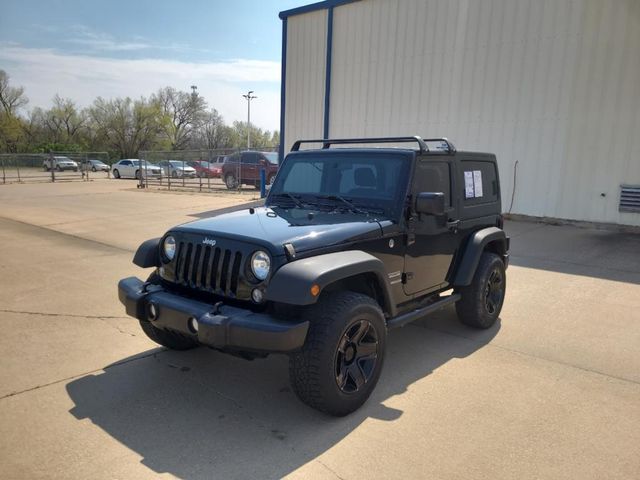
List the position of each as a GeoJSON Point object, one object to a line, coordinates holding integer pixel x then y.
{"type": "Point", "coordinates": [553, 391]}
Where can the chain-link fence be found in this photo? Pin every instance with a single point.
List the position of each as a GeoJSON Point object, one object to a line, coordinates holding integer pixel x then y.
{"type": "Point", "coordinates": [226, 170]}
{"type": "Point", "coordinates": [53, 167]}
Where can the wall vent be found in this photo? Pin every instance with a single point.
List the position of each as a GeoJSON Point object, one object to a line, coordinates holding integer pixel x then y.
{"type": "Point", "coordinates": [629, 198]}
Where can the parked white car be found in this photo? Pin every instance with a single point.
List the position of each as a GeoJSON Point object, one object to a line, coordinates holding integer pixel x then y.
{"type": "Point", "coordinates": [60, 164]}
{"type": "Point", "coordinates": [130, 168]}
{"type": "Point", "coordinates": [177, 168]}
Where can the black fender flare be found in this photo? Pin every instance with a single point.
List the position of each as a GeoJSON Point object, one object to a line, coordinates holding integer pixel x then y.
{"type": "Point", "coordinates": [148, 254]}
{"type": "Point", "coordinates": [473, 251]}
{"type": "Point", "coordinates": [292, 283]}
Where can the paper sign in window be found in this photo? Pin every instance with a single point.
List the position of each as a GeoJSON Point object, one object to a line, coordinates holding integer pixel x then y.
{"type": "Point", "coordinates": [469, 191]}
{"type": "Point", "coordinates": [477, 183]}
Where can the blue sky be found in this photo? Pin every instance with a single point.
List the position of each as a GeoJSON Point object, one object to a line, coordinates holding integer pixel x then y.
{"type": "Point", "coordinates": [90, 48]}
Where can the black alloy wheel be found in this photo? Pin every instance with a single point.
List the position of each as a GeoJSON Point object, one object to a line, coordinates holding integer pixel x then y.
{"type": "Point", "coordinates": [356, 356]}
{"type": "Point", "coordinates": [494, 291]}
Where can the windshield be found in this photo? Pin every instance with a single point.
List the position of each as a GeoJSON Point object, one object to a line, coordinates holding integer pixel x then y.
{"type": "Point", "coordinates": [272, 157]}
{"type": "Point", "coordinates": [370, 182]}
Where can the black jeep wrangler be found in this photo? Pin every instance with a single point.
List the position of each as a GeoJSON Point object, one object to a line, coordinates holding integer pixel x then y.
{"type": "Point", "coordinates": [351, 242]}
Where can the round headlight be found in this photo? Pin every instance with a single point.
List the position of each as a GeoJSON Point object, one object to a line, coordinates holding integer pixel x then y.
{"type": "Point", "coordinates": [169, 247]}
{"type": "Point", "coordinates": [260, 264]}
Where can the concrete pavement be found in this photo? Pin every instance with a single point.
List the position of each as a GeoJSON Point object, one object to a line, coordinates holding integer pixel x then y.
{"type": "Point", "coordinates": [552, 391]}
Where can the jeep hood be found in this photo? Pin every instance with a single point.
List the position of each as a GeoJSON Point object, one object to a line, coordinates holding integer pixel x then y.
{"type": "Point", "coordinates": [272, 228]}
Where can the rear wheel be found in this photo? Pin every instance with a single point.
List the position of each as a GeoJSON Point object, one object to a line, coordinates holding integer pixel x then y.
{"type": "Point", "coordinates": [93, 169]}
{"type": "Point", "coordinates": [482, 301]}
{"type": "Point", "coordinates": [137, 175]}
{"type": "Point", "coordinates": [166, 338]}
{"type": "Point", "coordinates": [340, 363]}
{"type": "Point", "coordinates": [174, 174]}
{"type": "Point", "coordinates": [230, 181]}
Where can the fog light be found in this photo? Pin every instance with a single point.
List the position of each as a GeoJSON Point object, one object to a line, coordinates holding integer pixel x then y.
{"type": "Point", "coordinates": [192, 323]}
{"type": "Point", "coordinates": [152, 311]}
{"type": "Point", "coordinates": [257, 295]}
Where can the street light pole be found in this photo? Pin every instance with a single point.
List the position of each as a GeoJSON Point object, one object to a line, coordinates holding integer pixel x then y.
{"type": "Point", "coordinates": [249, 97]}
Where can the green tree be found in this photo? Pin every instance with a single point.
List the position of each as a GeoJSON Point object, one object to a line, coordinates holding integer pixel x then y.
{"type": "Point", "coordinates": [12, 99]}
{"type": "Point", "coordinates": [126, 126]}
{"type": "Point", "coordinates": [183, 114]}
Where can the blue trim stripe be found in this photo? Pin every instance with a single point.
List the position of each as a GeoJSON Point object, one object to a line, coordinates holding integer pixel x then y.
{"type": "Point", "coordinates": [283, 87]}
{"type": "Point", "coordinates": [314, 6]}
{"type": "Point", "coordinates": [327, 80]}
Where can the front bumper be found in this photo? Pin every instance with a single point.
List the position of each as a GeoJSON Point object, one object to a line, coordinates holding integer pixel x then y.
{"type": "Point", "coordinates": [224, 327]}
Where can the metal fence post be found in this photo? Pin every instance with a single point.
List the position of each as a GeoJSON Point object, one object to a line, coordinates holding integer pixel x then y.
{"type": "Point", "coordinates": [263, 183]}
{"type": "Point", "coordinates": [4, 175]}
{"type": "Point", "coordinates": [51, 167]}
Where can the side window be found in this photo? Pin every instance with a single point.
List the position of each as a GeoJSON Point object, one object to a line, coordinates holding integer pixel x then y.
{"type": "Point", "coordinates": [433, 176]}
{"type": "Point", "coordinates": [479, 182]}
{"type": "Point", "coordinates": [250, 158]}
{"type": "Point", "coordinates": [126, 163]}
{"type": "Point", "coordinates": [304, 177]}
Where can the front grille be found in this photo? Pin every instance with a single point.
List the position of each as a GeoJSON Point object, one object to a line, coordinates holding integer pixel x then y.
{"type": "Point", "coordinates": [204, 267]}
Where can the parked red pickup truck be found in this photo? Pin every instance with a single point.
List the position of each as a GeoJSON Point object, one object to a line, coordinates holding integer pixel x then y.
{"type": "Point", "coordinates": [244, 168]}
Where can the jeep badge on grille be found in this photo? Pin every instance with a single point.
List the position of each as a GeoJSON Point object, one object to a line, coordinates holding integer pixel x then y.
{"type": "Point", "coordinates": [209, 241]}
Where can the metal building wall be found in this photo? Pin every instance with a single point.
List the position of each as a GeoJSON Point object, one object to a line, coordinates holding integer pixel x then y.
{"type": "Point", "coordinates": [551, 84]}
{"type": "Point", "coordinates": [305, 80]}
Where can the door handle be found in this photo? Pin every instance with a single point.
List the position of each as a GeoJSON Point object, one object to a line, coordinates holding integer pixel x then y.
{"type": "Point", "coordinates": [453, 225]}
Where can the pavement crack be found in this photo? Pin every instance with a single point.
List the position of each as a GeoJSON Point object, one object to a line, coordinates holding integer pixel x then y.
{"type": "Point", "coordinates": [72, 377]}
{"type": "Point", "coordinates": [531, 355]}
{"type": "Point", "coordinates": [71, 315]}
{"type": "Point", "coordinates": [329, 469]}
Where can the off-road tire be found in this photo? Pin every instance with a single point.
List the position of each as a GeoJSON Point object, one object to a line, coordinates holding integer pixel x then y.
{"type": "Point", "coordinates": [313, 371]}
{"type": "Point", "coordinates": [116, 174]}
{"type": "Point", "coordinates": [473, 308]}
{"type": "Point", "coordinates": [171, 340]}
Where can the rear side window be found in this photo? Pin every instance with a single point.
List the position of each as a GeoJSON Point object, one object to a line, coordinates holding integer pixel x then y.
{"type": "Point", "coordinates": [433, 176]}
{"type": "Point", "coordinates": [479, 182]}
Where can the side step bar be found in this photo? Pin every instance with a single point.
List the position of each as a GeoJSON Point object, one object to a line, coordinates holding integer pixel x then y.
{"type": "Point", "coordinates": [402, 320]}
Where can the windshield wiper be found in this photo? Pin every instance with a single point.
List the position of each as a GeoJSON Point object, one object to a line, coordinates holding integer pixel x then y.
{"type": "Point", "coordinates": [349, 204]}
{"type": "Point", "coordinates": [295, 200]}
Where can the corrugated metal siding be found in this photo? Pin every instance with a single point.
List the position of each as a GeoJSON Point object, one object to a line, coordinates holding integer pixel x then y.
{"type": "Point", "coordinates": [305, 79]}
{"type": "Point", "coordinates": [552, 84]}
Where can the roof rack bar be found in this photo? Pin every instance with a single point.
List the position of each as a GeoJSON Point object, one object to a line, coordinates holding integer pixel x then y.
{"type": "Point", "coordinates": [327, 142]}
{"type": "Point", "coordinates": [450, 146]}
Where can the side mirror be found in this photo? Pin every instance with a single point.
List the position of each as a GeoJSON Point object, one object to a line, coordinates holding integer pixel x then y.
{"type": "Point", "coordinates": [430, 203]}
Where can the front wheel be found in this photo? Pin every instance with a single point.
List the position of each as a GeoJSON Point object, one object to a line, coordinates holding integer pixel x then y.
{"type": "Point", "coordinates": [482, 300]}
{"type": "Point", "coordinates": [116, 174]}
{"type": "Point", "coordinates": [340, 363]}
{"type": "Point", "coordinates": [137, 174]}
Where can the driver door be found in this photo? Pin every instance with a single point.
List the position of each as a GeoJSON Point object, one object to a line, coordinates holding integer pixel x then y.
{"type": "Point", "coordinates": [432, 240]}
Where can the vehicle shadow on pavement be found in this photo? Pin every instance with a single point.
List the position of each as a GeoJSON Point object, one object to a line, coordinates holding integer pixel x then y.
{"type": "Point", "coordinates": [203, 414]}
